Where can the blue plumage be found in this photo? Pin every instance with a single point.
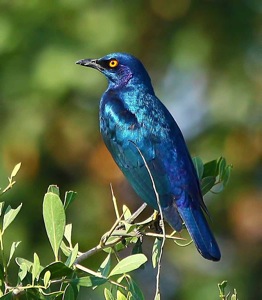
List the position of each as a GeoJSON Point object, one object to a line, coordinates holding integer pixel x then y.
{"type": "Point", "coordinates": [132, 117]}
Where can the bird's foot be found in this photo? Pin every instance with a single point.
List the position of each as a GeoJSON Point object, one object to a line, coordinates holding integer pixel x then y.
{"type": "Point", "coordinates": [155, 216]}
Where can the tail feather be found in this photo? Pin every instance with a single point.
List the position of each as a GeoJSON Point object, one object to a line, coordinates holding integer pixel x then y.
{"type": "Point", "coordinates": [200, 232]}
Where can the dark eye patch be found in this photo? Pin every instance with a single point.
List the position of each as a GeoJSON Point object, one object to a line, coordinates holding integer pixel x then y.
{"type": "Point", "coordinates": [105, 63]}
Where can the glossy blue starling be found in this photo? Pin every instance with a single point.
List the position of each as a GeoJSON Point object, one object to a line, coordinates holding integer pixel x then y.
{"type": "Point", "coordinates": [133, 121]}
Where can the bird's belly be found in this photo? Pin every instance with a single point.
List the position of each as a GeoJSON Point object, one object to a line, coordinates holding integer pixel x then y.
{"type": "Point", "coordinates": [132, 164]}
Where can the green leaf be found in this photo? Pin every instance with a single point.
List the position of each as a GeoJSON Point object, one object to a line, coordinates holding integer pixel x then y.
{"type": "Point", "coordinates": [68, 234]}
{"type": "Point", "coordinates": [128, 227]}
{"type": "Point", "coordinates": [20, 261]}
{"type": "Point", "coordinates": [122, 277]}
{"type": "Point", "coordinates": [36, 269]}
{"type": "Point", "coordinates": [2, 204]}
{"type": "Point", "coordinates": [108, 295]}
{"type": "Point", "coordinates": [65, 249]}
{"type": "Point", "coordinates": [156, 251]}
{"type": "Point", "coordinates": [12, 251]}
{"type": "Point", "coordinates": [120, 295]}
{"type": "Point", "coordinates": [126, 212]}
{"type": "Point", "coordinates": [47, 277]}
{"type": "Point", "coordinates": [234, 296]}
{"type": "Point", "coordinates": [128, 264]}
{"type": "Point", "coordinates": [2, 273]}
{"type": "Point", "coordinates": [207, 183]}
{"type": "Point", "coordinates": [9, 216]}
{"type": "Point", "coordinates": [53, 189]}
{"type": "Point", "coordinates": [210, 169]}
{"type": "Point", "coordinates": [137, 294]}
{"type": "Point", "coordinates": [89, 281]}
{"type": "Point", "coordinates": [8, 296]}
{"type": "Point", "coordinates": [69, 198]}
{"type": "Point", "coordinates": [54, 218]}
{"type": "Point", "coordinates": [218, 188]}
{"type": "Point", "coordinates": [57, 270]}
{"type": "Point", "coordinates": [15, 170]}
{"type": "Point", "coordinates": [69, 293]}
{"type": "Point", "coordinates": [22, 271]}
{"type": "Point", "coordinates": [221, 167]}
{"type": "Point", "coordinates": [221, 287]}
{"type": "Point", "coordinates": [104, 268]}
{"type": "Point", "coordinates": [75, 288]}
{"type": "Point", "coordinates": [199, 166]}
{"type": "Point", "coordinates": [226, 175]}
{"type": "Point", "coordinates": [72, 257]}
{"type": "Point", "coordinates": [118, 247]}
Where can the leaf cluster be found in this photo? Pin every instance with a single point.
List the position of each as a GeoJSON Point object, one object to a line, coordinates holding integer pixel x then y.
{"type": "Point", "coordinates": [222, 292]}
{"type": "Point", "coordinates": [63, 277]}
{"type": "Point", "coordinates": [213, 175]}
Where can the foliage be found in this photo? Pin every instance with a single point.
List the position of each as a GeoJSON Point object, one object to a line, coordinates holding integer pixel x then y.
{"type": "Point", "coordinates": [222, 292]}
{"type": "Point", "coordinates": [63, 277]}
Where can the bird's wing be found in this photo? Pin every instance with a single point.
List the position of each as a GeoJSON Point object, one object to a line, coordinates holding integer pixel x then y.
{"type": "Point", "coordinates": [128, 140]}
{"type": "Point", "coordinates": [129, 159]}
{"type": "Point", "coordinates": [157, 138]}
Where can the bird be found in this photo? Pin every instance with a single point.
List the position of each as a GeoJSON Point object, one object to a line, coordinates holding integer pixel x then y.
{"type": "Point", "coordinates": [141, 135]}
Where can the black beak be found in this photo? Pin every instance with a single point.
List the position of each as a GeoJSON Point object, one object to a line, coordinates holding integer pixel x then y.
{"type": "Point", "coordinates": [91, 63]}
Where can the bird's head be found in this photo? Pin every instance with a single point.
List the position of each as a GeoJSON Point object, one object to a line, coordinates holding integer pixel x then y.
{"type": "Point", "coordinates": [120, 69]}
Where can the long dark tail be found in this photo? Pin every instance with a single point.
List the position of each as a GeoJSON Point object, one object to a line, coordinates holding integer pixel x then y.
{"type": "Point", "coordinates": [200, 232]}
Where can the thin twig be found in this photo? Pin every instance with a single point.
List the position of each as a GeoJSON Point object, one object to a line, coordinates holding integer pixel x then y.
{"type": "Point", "coordinates": [82, 268]}
{"type": "Point", "coordinates": [183, 245]}
{"type": "Point", "coordinates": [88, 253]}
{"type": "Point", "coordinates": [136, 213]}
{"type": "Point", "coordinates": [162, 236]}
{"type": "Point", "coordinates": [114, 202]}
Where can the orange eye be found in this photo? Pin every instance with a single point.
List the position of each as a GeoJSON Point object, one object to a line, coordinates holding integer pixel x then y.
{"type": "Point", "coordinates": [113, 63]}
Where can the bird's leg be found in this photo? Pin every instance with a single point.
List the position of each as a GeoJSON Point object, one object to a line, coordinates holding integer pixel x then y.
{"type": "Point", "coordinates": [155, 215]}
{"type": "Point", "coordinates": [156, 222]}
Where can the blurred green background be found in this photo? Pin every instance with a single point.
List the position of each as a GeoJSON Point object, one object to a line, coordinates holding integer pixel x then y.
{"type": "Point", "coordinates": [204, 58]}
